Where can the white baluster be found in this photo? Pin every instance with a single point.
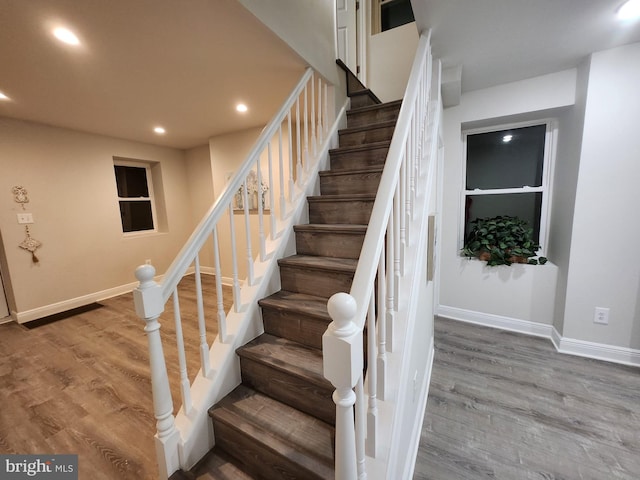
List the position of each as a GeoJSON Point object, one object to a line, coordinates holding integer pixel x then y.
{"type": "Point", "coordinates": [149, 305]}
{"type": "Point", "coordinates": [306, 136]}
{"type": "Point", "coordinates": [321, 118]}
{"type": "Point", "coordinates": [326, 112]}
{"type": "Point", "coordinates": [372, 375]}
{"type": "Point", "coordinates": [402, 218]}
{"type": "Point", "coordinates": [343, 365]}
{"type": "Point", "coordinates": [383, 301]}
{"type": "Point", "coordinates": [314, 140]}
{"type": "Point", "coordinates": [247, 234]}
{"type": "Point", "coordinates": [298, 152]}
{"type": "Point", "coordinates": [202, 328]}
{"type": "Point", "coordinates": [397, 248]}
{"type": "Point", "coordinates": [261, 237]}
{"type": "Point", "coordinates": [222, 316]}
{"type": "Point", "coordinates": [361, 428]}
{"type": "Point", "coordinates": [185, 388]}
{"type": "Point", "coordinates": [234, 262]}
{"type": "Point", "coordinates": [272, 217]}
{"type": "Point", "coordinates": [283, 202]}
{"type": "Point", "coordinates": [290, 145]}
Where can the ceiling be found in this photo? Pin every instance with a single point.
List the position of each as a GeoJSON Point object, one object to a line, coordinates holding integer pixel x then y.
{"type": "Point", "coordinates": [500, 41]}
{"type": "Point", "coordinates": [185, 64]}
{"type": "Point", "coordinates": [180, 64]}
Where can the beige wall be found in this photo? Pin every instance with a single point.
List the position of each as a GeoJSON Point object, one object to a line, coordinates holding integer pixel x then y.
{"type": "Point", "coordinates": [71, 184]}
{"type": "Point", "coordinates": [390, 57]}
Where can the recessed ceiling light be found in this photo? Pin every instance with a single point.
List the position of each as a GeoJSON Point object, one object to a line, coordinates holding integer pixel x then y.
{"type": "Point", "coordinates": [241, 107]}
{"type": "Point", "coordinates": [3, 96]}
{"type": "Point", "coordinates": [159, 130]}
{"type": "Point", "coordinates": [66, 36]}
{"type": "Point", "coordinates": [507, 138]}
{"type": "Point", "coordinates": [629, 10]}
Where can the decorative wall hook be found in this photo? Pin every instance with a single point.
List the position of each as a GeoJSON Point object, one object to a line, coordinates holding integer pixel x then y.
{"type": "Point", "coordinates": [30, 244]}
{"type": "Point", "coordinates": [20, 195]}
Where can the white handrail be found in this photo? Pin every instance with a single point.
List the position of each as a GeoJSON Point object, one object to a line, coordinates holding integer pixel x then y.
{"type": "Point", "coordinates": [150, 296]}
{"type": "Point", "coordinates": [181, 264]}
{"type": "Point", "coordinates": [395, 232]}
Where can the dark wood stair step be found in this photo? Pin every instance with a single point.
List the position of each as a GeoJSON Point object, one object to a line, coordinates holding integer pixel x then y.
{"type": "Point", "coordinates": [383, 112]}
{"type": "Point", "coordinates": [313, 275]}
{"type": "Point", "coordinates": [348, 209]}
{"type": "Point", "coordinates": [289, 372]}
{"type": "Point", "coordinates": [271, 439]}
{"type": "Point", "coordinates": [349, 182]}
{"type": "Point", "coordinates": [363, 98]}
{"type": "Point", "coordinates": [216, 465]}
{"type": "Point", "coordinates": [377, 132]}
{"type": "Point", "coordinates": [359, 156]}
{"type": "Point", "coordinates": [296, 316]}
{"type": "Point", "coordinates": [330, 240]}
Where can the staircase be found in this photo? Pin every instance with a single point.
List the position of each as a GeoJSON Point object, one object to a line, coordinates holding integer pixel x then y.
{"type": "Point", "coordinates": [279, 423]}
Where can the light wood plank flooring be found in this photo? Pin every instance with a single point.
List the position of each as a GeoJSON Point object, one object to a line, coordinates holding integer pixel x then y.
{"type": "Point", "coordinates": [81, 385]}
{"type": "Point", "coordinates": [508, 406]}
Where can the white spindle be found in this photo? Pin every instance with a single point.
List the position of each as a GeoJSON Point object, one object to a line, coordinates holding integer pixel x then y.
{"type": "Point", "coordinates": [222, 316]}
{"type": "Point", "coordinates": [149, 305]}
{"type": "Point", "coordinates": [283, 202]}
{"type": "Point", "coordinates": [185, 390]}
{"type": "Point", "coordinates": [343, 365]}
{"type": "Point", "coordinates": [202, 328]}
{"type": "Point", "coordinates": [234, 261]}
{"type": "Point", "coordinates": [290, 145]}
{"type": "Point", "coordinates": [383, 303]}
{"type": "Point", "coordinates": [321, 118]}
{"type": "Point", "coordinates": [314, 140]}
{"type": "Point", "coordinates": [272, 217]}
{"type": "Point", "coordinates": [298, 153]}
{"type": "Point", "coordinates": [261, 236]}
{"type": "Point", "coordinates": [372, 375]}
{"type": "Point", "coordinates": [402, 219]}
{"type": "Point", "coordinates": [361, 428]}
{"type": "Point", "coordinates": [326, 111]}
{"type": "Point", "coordinates": [306, 135]}
{"type": "Point", "coordinates": [397, 245]}
{"type": "Point", "coordinates": [247, 234]}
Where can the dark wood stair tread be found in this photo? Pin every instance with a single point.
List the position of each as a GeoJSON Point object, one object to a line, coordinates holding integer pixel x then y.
{"type": "Point", "coordinates": [320, 263]}
{"type": "Point", "coordinates": [370, 108]}
{"type": "Point", "coordinates": [331, 227]}
{"type": "Point", "coordinates": [284, 431]}
{"type": "Point", "coordinates": [287, 356]}
{"type": "Point", "coordinates": [216, 465]}
{"type": "Point", "coordinates": [359, 148]}
{"type": "Point", "coordinates": [342, 198]}
{"type": "Point", "coordinates": [355, 171]}
{"type": "Point", "coordinates": [301, 303]}
{"type": "Point", "coordinates": [366, 128]}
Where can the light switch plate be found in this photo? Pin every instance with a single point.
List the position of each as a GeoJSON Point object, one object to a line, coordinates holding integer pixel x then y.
{"type": "Point", "coordinates": [25, 218]}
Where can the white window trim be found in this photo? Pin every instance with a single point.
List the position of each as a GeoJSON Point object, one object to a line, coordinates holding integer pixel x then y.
{"type": "Point", "coordinates": [151, 197]}
{"type": "Point", "coordinates": [550, 144]}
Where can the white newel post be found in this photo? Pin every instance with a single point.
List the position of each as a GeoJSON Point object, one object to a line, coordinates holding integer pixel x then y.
{"type": "Point", "coordinates": [149, 305]}
{"type": "Point", "coordinates": [343, 365]}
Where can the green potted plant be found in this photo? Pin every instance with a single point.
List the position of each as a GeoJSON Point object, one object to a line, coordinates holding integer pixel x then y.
{"type": "Point", "coordinates": [502, 240]}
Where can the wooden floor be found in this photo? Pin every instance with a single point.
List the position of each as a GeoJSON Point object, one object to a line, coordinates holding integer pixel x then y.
{"type": "Point", "coordinates": [81, 385]}
{"type": "Point", "coordinates": [508, 406]}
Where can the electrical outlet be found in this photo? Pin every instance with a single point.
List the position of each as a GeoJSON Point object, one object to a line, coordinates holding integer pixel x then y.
{"type": "Point", "coordinates": [601, 316]}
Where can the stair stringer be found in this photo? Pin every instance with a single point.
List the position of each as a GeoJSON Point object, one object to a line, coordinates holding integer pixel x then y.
{"type": "Point", "coordinates": [196, 430]}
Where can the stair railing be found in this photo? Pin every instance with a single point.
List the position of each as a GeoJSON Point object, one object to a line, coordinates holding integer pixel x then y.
{"type": "Point", "coordinates": [394, 232]}
{"type": "Point", "coordinates": [270, 185]}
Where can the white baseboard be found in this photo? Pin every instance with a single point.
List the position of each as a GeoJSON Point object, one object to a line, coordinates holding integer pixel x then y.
{"type": "Point", "coordinates": [63, 306]}
{"type": "Point", "coordinates": [571, 346]}
{"type": "Point", "coordinates": [496, 321]}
